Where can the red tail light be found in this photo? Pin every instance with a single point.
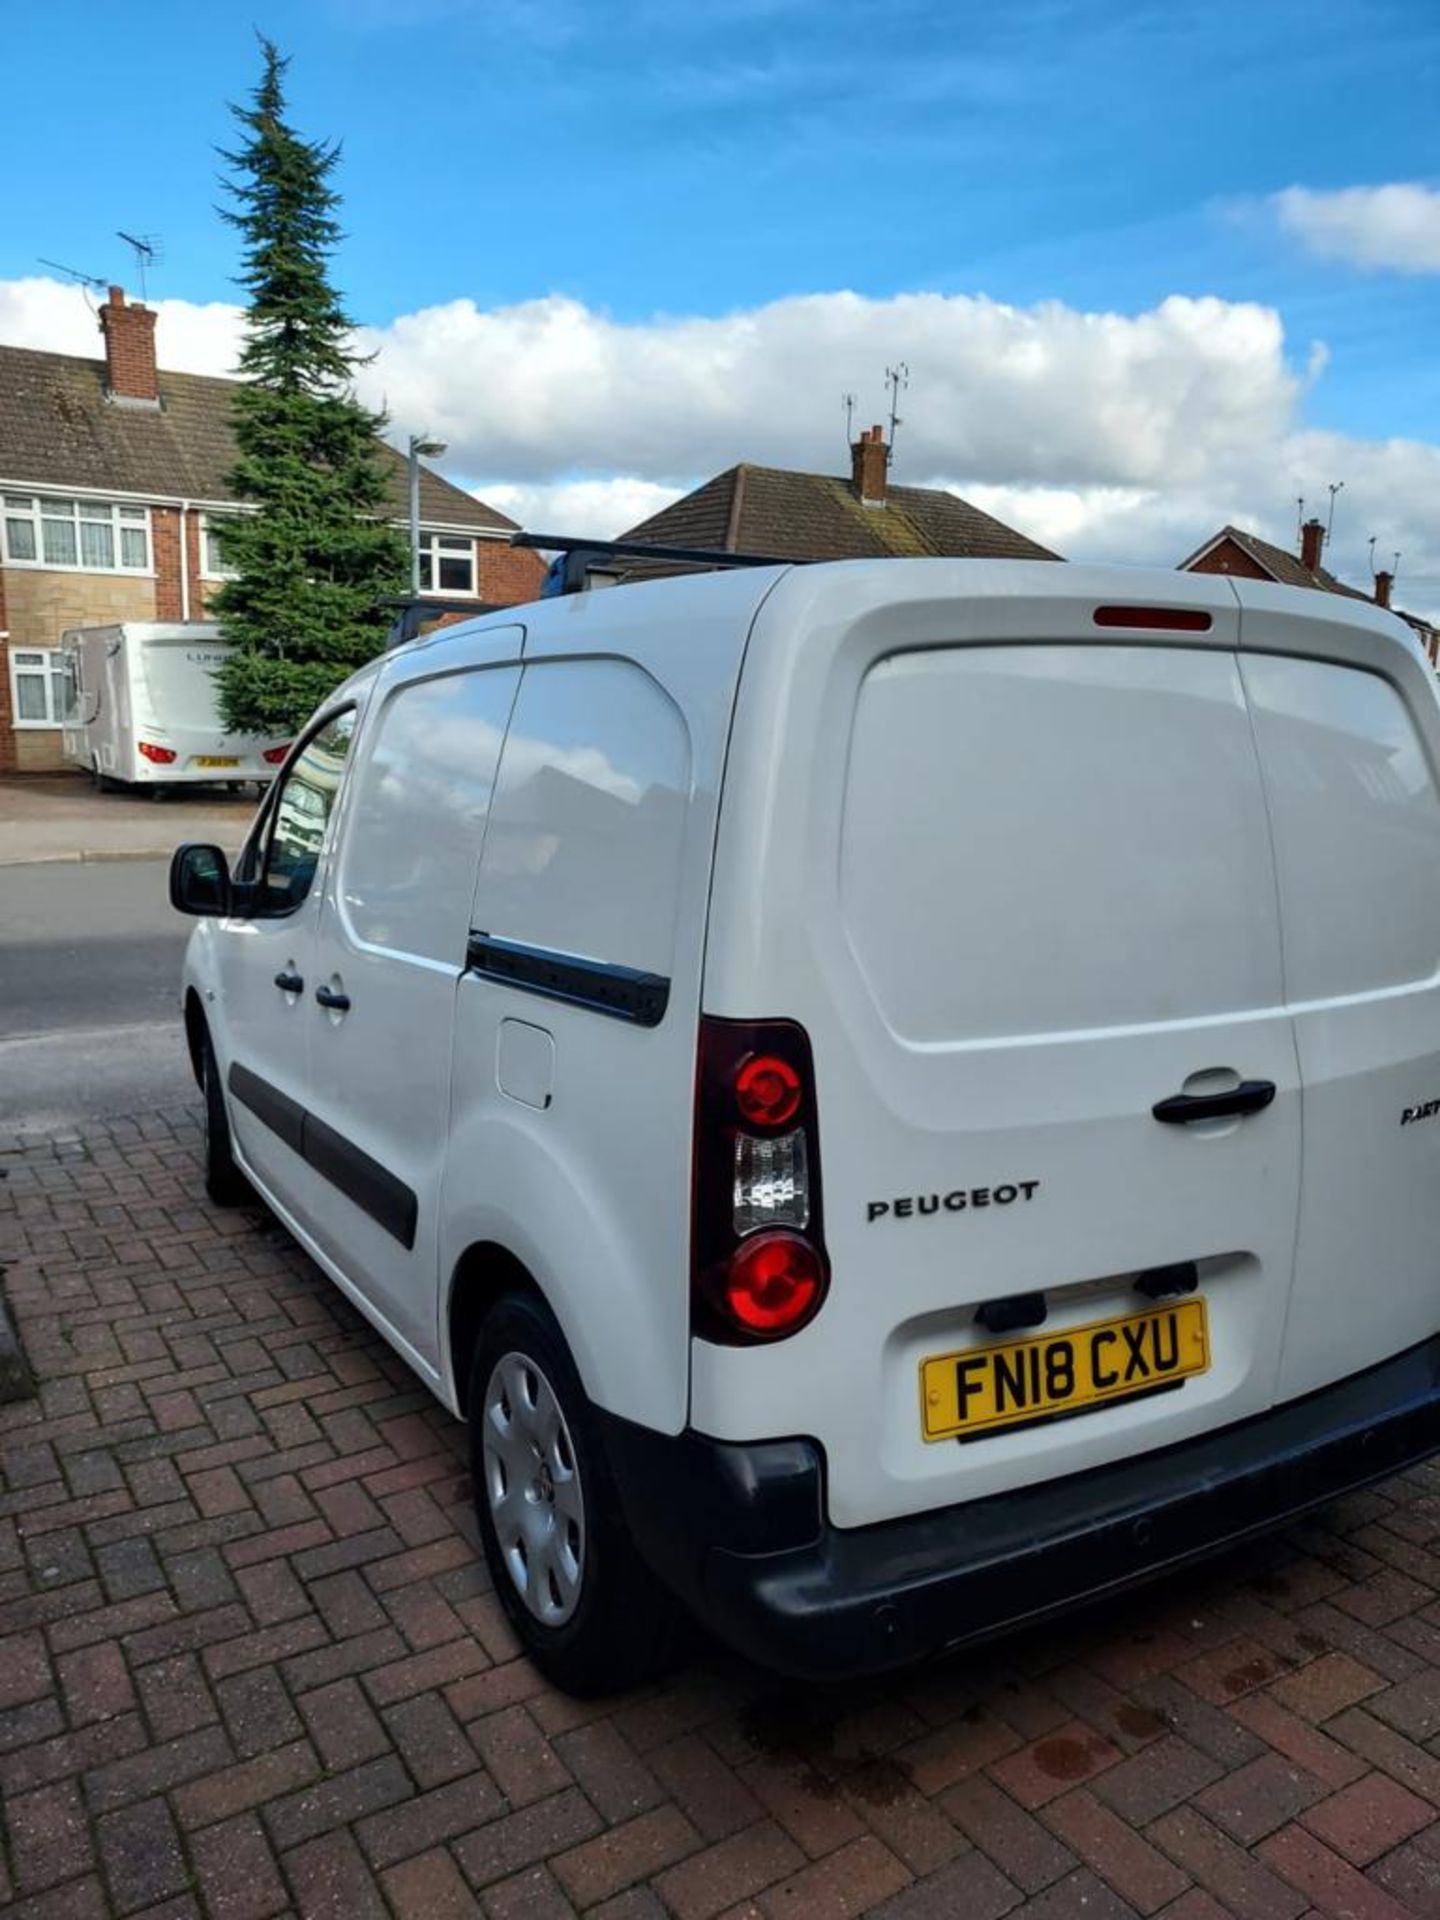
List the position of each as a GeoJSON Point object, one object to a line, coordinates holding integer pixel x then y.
{"type": "Point", "coordinates": [767, 1090]}
{"type": "Point", "coordinates": [162, 756]}
{"type": "Point", "coordinates": [274, 756]}
{"type": "Point", "coordinates": [773, 1283]}
{"type": "Point", "coordinates": [759, 1269]}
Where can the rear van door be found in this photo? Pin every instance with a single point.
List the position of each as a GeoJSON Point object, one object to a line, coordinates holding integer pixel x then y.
{"type": "Point", "coordinates": [1347, 732]}
{"type": "Point", "coordinates": [1018, 887]}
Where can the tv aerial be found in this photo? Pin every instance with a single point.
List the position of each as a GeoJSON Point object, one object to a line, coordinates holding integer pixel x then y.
{"type": "Point", "coordinates": [146, 248]}
{"type": "Point", "coordinates": [73, 274]}
{"type": "Point", "coordinates": [897, 378]}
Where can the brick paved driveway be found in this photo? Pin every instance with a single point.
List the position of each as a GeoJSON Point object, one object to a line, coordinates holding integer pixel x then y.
{"type": "Point", "coordinates": [250, 1663]}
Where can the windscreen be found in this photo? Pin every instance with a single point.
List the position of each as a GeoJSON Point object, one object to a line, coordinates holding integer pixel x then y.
{"type": "Point", "coordinates": [1042, 839]}
{"type": "Point", "coordinates": [179, 682]}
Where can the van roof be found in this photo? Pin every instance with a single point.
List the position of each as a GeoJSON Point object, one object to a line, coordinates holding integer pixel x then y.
{"type": "Point", "coordinates": [828, 589]}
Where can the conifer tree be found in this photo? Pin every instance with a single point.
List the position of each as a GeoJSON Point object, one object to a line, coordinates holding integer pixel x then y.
{"type": "Point", "coordinates": [319, 549]}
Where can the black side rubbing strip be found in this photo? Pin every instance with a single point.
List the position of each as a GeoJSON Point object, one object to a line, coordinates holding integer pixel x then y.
{"type": "Point", "coordinates": [278, 1111]}
{"type": "Point", "coordinates": [373, 1188]}
{"type": "Point", "coordinates": [624, 993]}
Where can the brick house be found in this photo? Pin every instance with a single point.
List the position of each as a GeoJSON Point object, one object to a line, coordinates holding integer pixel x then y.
{"type": "Point", "coordinates": [816, 516]}
{"type": "Point", "coordinates": [112, 477]}
{"type": "Point", "coordinates": [1233, 551]}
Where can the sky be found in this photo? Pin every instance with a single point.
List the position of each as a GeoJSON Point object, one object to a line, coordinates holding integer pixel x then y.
{"type": "Point", "coordinates": [1151, 266]}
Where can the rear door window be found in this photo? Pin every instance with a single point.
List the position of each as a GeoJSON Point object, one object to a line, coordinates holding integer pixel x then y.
{"type": "Point", "coordinates": [1047, 839]}
{"type": "Point", "coordinates": [583, 851]}
{"type": "Point", "coordinates": [1356, 820]}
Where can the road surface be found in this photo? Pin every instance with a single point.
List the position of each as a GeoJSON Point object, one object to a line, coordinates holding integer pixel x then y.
{"type": "Point", "coordinates": [89, 992]}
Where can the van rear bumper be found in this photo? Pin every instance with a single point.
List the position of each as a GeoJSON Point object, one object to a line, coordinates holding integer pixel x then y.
{"type": "Point", "coordinates": [739, 1531]}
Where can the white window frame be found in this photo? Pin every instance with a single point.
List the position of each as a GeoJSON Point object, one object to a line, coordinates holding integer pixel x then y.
{"type": "Point", "coordinates": [208, 523]}
{"type": "Point", "coordinates": [39, 507]}
{"type": "Point", "coordinates": [431, 542]}
{"type": "Point", "coordinates": [23, 665]}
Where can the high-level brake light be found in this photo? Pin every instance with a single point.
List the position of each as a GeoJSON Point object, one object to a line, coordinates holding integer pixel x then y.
{"type": "Point", "coordinates": [1156, 619]}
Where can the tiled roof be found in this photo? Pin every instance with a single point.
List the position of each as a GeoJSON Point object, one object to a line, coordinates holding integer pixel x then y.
{"type": "Point", "coordinates": [1286, 568]}
{"type": "Point", "coordinates": [58, 429]}
{"type": "Point", "coordinates": [811, 516]}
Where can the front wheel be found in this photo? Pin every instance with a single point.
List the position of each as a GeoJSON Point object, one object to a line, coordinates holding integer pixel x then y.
{"type": "Point", "coordinates": [224, 1182]}
{"type": "Point", "coordinates": [588, 1611]}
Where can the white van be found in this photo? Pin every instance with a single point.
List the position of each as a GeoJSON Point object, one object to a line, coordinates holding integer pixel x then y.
{"type": "Point", "coordinates": [894, 1095]}
{"type": "Point", "coordinates": [142, 709]}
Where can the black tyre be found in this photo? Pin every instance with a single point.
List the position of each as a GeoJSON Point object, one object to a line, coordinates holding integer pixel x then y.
{"type": "Point", "coordinates": [590, 1614]}
{"type": "Point", "coordinates": [224, 1182]}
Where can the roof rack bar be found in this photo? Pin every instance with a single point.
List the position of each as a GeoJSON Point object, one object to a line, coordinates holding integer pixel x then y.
{"type": "Point", "coordinates": [409, 612]}
{"type": "Point", "coordinates": [645, 550]}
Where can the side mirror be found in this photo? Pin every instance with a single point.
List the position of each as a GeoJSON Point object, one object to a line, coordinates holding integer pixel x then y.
{"type": "Point", "coordinates": [200, 879]}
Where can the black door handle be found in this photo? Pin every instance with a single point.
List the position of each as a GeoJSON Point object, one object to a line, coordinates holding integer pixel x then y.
{"type": "Point", "coordinates": [289, 983]}
{"type": "Point", "coordinates": [338, 1002]}
{"type": "Point", "coordinates": [1249, 1097]}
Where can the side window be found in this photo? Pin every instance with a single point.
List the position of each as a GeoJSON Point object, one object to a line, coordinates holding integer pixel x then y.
{"type": "Point", "coordinates": [300, 815]}
{"type": "Point", "coordinates": [417, 822]}
{"type": "Point", "coordinates": [583, 851]}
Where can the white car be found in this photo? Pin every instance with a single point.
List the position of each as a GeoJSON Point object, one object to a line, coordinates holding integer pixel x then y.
{"type": "Point", "coordinates": [892, 1095]}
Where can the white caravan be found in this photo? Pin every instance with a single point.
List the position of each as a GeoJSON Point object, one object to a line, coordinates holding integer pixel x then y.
{"type": "Point", "coordinates": [142, 708]}
{"type": "Point", "coordinates": [893, 1095]}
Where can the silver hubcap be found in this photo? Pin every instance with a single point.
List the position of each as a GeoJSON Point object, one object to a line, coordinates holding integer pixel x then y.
{"type": "Point", "coordinates": [533, 1488]}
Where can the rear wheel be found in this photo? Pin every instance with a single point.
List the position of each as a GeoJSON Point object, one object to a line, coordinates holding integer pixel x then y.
{"type": "Point", "coordinates": [590, 1614]}
{"type": "Point", "coordinates": [224, 1182]}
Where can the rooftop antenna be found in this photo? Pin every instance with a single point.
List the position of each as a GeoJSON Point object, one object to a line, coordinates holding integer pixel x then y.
{"type": "Point", "coordinates": [897, 378]}
{"type": "Point", "coordinates": [847, 400]}
{"type": "Point", "coordinates": [1336, 486]}
{"type": "Point", "coordinates": [1299, 519]}
{"type": "Point", "coordinates": [146, 252]}
{"type": "Point", "coordinates": [73, 274]}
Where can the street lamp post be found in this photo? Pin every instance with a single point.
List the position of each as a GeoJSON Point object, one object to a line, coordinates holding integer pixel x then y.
{"type": "Point", "coordinates": [432, 449]}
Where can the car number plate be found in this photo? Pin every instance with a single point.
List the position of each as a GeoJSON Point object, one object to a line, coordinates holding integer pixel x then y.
{"type": "Point", "coordinates": [995, 1386]}
{"type": "Point", "coordinates": [211, 760]}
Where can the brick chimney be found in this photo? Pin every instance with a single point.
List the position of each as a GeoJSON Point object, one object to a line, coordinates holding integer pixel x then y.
{"type": "Point", "coordinates": [869, 461]}
{"type": "Point", "coordinates": [129, 351]}
{"type": "Point", "coordinates": [1312, 545]}
{"type": "Point", "coordinates": [1383, 583]}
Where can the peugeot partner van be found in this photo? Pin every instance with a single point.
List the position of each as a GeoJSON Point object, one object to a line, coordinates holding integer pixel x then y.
{"type": "Point", "coordinates": [894, 1096]}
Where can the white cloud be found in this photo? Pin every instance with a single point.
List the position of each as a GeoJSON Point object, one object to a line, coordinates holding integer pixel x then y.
{"type": "Point", "coordinates": [45, 313]}
{"type": "Point", "coordinates": [1128, 437]}
{"type": "Point", "coordinates": [552, 387]}
{"type": "Point", "coordinates": [599, 508]}
{"type": "Point", "coordinates": [1396, 226]}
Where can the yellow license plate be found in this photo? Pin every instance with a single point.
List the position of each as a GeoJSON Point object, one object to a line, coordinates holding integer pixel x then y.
{"type": "Point", "coordinates": [210, 760]}
{"type": "Point", "coordinates": [994, 1386]}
